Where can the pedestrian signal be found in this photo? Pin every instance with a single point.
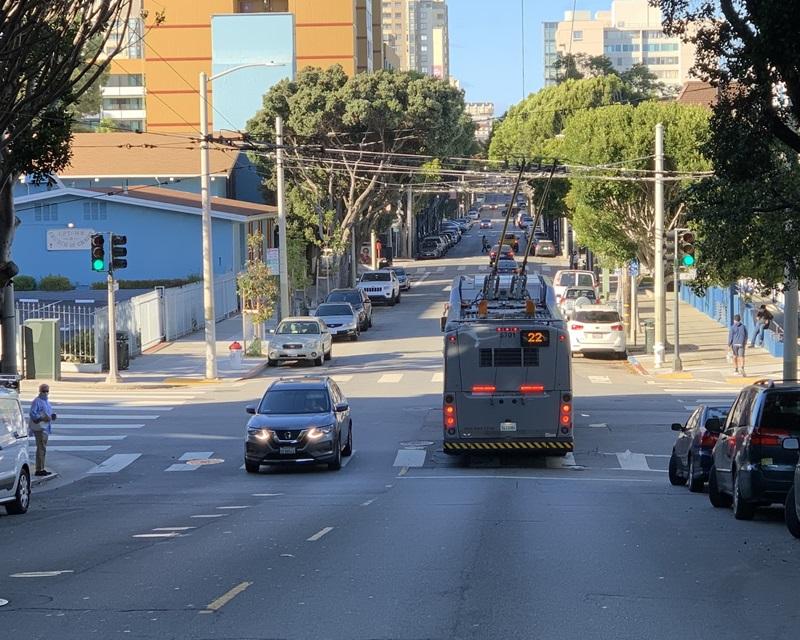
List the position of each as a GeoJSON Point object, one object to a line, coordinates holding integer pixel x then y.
{"type": "Point", "coordinates": [118, 252]}
{"type": "Point", "coordinates": [687, 249]}
{"type": "Point", "coordinates": [669, 247]}
{"type": "Point", "coordinates": [98, 252]}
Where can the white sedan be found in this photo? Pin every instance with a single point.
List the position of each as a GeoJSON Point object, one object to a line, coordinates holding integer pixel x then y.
{"type": "Point", "coordinates": [300, 338]}
{"type": "Point", "coordinates": [340, 318]}
{"type": "Point", "coordinates": [596, 329]}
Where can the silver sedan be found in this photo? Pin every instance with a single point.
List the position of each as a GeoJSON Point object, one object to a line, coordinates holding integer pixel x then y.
{"type": "Point", "coordinates": [300, 338]}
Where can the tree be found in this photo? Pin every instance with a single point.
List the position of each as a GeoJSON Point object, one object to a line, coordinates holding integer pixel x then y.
{"type": "Point", "coordinates": [344, 136]}
{"type": "Point", "coordinates": [748, 51]}
{"type": "Point", "coordinates": [577, 66]}
{"type": "Point", "coordinates": [43, 72]}
{"type": "Point", "coordinates": [256, 284]}
{"type": "Point", "coordinates": [616, 217]}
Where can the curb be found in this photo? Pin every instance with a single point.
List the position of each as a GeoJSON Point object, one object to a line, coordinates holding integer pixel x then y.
{"type": "Point", "coordinates": [255, 371]}
{"type": "Point", "coordinates": [38, 480]}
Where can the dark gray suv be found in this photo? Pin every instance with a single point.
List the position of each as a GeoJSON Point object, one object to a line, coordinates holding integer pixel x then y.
{"type": "Point", "coordinates": [750, 466]}
{"type": "Point", "coordinates": [299, 420]}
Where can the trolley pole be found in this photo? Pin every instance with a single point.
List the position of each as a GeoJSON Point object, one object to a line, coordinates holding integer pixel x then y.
{"type": "Point", "coordinates": [113, 376]}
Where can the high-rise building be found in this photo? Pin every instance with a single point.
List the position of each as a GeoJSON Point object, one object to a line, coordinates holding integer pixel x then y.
{"type": "Point", "coordinates": [630, 33]}
{"type": "Point", "coordinates": [418, 30]}
{"type": "Point", "coordinates": [154, 85]}
{"type": "Point", "coordinates": [550, 55]}
{"type": "Point", "coordinates": [482, 114]}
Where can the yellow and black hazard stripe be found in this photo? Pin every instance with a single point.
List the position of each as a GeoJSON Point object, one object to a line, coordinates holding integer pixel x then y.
{"type": "Point", "coordinates": [539, 445]}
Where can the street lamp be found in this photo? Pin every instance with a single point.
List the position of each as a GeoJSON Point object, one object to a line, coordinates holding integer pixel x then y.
{"type": "Point", "coordinates": [208, 266]}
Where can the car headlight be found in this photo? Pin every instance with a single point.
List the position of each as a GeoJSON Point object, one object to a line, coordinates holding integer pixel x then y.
{"type": "Point", "coordinates": [259, 433]}
{"type": "Point", "coordinates": [317, 433]}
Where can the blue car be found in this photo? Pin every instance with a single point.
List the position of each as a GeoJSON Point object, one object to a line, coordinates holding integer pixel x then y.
{"type": "Point", "coordinates": [402, 278]}
{"type": "Point", "coordinates": [691, 455]}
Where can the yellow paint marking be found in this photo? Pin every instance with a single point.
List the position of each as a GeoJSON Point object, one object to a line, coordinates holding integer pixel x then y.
{"type": "Point", "coordinates": [685, 375]}
{"type": "Point", "coordinates": [225, 598]}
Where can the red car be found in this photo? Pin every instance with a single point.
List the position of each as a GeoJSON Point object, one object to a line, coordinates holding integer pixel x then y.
{"type": "Point", "coordinates": [505, 252]}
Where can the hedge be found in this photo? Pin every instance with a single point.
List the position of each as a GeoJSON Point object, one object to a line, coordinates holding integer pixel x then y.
{"type": "Point", "coordinates": [55, 283]}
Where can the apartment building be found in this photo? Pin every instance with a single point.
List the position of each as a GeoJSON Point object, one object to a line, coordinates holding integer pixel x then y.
{"type": "Point", "coordinates": [482, 114]}
{"type": "Point", "coordinates": [629, 33]}
{"type": "Point", "coordinates": [418, 31]}
{"type": "Point", "coordinates": [153, 86]}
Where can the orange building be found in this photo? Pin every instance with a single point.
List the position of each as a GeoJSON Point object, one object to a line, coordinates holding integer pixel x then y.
{"type": "Point", "coordinates": [160, 89]}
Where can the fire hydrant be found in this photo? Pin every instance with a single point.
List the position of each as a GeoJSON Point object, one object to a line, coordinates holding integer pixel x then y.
{"type": "Point", "coordinates": [658, 353]}
{"type": "Point", "coordinates": [235, 353]}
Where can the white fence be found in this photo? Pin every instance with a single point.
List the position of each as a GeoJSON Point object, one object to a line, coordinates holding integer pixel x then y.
{"type": "Point", "coordinates": [183, 306]}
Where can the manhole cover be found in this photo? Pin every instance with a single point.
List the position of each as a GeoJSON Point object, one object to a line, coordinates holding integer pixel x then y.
{"type": "Point", "coordinates": [3, 603]}
{"type": "Point", "coordinates": [416, 444]}
{"type": "Point", "coordinates": [202, 461]}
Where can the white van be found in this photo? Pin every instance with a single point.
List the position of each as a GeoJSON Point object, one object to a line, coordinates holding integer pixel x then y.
{"type": "Point", "coordinates": [567, 278]}
{"type": "Point", "coordinates": [15, 469]}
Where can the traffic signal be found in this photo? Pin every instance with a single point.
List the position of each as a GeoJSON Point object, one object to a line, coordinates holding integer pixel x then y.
{"type": "Point", "coordinates": [98, 252]}
{"type": "Point", "coordinates": [669, 247]}
{"type": "Point", "coordinates": [118, 252]}
{"type": "Point", "coordinates": [687, 249]}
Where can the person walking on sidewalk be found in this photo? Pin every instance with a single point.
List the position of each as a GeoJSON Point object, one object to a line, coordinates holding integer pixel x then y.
{"type": "Point", "coordinates": [41, 420]}
{"type": "Point", "coordinates": [763, 318]}
{"type": "Point", "coordinates": [737, 339]}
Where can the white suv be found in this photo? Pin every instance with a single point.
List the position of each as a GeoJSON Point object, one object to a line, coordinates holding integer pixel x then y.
{"type": "Point", "coordinates": [380, 286]}
{"type": "Point", "coordinates": [15, 469]}
{"type": "Point", "coordinates": [596, 329]}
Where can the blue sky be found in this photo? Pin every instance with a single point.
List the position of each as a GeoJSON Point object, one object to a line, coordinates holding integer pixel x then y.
{"type": "Point", "coordinates": [486, 45]}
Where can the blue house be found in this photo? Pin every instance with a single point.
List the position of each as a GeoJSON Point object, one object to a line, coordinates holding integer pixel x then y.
{"type": "Point", "coordinates": [163, 227]}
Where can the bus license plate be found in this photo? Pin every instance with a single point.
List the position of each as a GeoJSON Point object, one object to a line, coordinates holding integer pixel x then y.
{"type": "Point", "coordinates": [508, 426]}
{"type": "Point", "coordinates": [288, 451]}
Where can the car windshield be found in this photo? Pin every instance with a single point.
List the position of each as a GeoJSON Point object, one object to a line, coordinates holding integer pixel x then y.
{"type": "Point", "coordinates": [375, 277]}
{"type": "Point", "coordinates": [782, 410]}
{"type": "Point", "coordinates": [564, 279]}
{"type": "Point", "coordinates": [597, 316]}
{"type": "Point", "coordinates": [585, 280]}
{"type": "Point", "coordinates": [399, 272]}
{"type": "Point", "coordinates": [574, 294]}
{"type": "Point", "coordinates": [334, 310]}
{"type": "Point", "coordinates": [353, 297]}
{"type": "Point", "coordinates": [298, 328]}
{"type": "Point", "coordinates": [429, 244]}
{"type": "Point", "coordinates": [293, 401]}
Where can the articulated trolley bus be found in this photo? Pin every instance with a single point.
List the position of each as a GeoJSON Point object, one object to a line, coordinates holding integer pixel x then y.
{"type": "Point", "coordinates": [507, 378]}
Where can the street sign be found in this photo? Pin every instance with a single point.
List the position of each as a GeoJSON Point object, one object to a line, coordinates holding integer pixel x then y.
{"type": "Point", "coordinates": [688, 275]}
{"type": "Point", "coordinates": [633, 268]}
{"type": "Point", "coordinates": [69, 239]}
{"type": "Point", "coordinates": [273, 261]}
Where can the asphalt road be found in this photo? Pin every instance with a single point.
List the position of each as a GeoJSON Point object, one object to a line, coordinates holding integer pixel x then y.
{"type": "Point", "coordinates": [395, 545]}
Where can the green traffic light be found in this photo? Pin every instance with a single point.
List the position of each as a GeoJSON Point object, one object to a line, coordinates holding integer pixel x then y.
{"type": "Point", "coordinates": [98, 265]}
{"type": "Point", "coordinates": [688, 260]}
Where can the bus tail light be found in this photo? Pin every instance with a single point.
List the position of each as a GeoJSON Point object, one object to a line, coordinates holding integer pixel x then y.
{"type": "Point", "coordinates": [531, 388]}
{"type": "Point", "coordinates": [483, 388]}
{"type": "Point", "coordinates": [449, 415]}
{"type": "Point", "coordinates": [565, 414]}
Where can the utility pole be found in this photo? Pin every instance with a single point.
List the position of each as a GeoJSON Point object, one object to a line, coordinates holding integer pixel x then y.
{"type": "Point", "coordinates": [677, 365]}
{"type": "Point", "coordinates": [283, 249]}
{"type": "Point", "coordinates": [9, 334]}
{"type": "Point", "coordinates": [410, 221]}
{"type": "Point", "coordinates": [632, 327]}
{"type": "Point", "coordinates": [113, 374]}
{"type": "Point", "coordinates": [209, 315]}
{"type": "Point", "coordinates": [659, 288]}
{"type": "Point", "coordinates": [790, 328]}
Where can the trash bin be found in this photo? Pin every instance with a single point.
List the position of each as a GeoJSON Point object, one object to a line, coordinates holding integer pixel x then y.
{"type": "Point", "coordinates": [235, 354]}
{"type": "Point", "coordinates": [123, 351]}
{"type": "Point", "coordinates": [42, 349]}
{"type": "Point", "coordinates": [649, 335]}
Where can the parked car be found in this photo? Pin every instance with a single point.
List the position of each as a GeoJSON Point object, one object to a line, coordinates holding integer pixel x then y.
{"type": "Point", "coordinates": [574, 298]}
{"type": "Point", "coordinates": [340, 318]}
{"type": "Point", "coordinates": [566, 278]}
{"type": "Point", "coordinates": [691, 453]}
{"type": "Point", "coordinates": [792, 505]}
{"type": "Point", "coordinates": [751, 467]}
{"type": "Point", "coordinates": [300, 338]}
{"type": "Point", "coordinates": [545, 249]}
{"type": "Point", "coordinates": [505, 252]}
{"type": "Point", "coordinates": [450, 237]}
{"type": "Point", "coordinates": [474, 214]}
{"type": "Point", "coordinates": [358, 300]}
{"type": "Point", "coordinates": [429, 248]}
{"type": "Point", "coordinates": [512, 239]}
{"type": "Point", "coordinates": [299, 420]}
{"type": "Point", "coordinates": [524, 219]}
{"type": "Point", "coordinates": [15, 467]}
{"type": "Point", "coordinates": [486, 223]}
{"type": "Point", "coordinates": [380, 286]}
{"type": "Point", "coordinates": [596, 329]}
{"type": "Point", "coordinates": [402, 278]}
{"type": "Point", "coordinates": [507, 265]}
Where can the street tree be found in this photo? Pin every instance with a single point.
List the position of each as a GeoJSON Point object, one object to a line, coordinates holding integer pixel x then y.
{"type": "Point", "coordinates": [44, 71]}
{"type": "Point", "coordinates": [345, 137]}
{"type": "Point", "coordinates": [613, 209]}
{"type": "Point", "coordinates": [257, 285]}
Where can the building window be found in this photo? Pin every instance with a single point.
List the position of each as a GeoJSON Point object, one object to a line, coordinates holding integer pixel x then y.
{"type": "Point", "coordinates": [125, 80]}
{"type": "Point", "coordinates": [94, 211]}
{"type": "Point", "coordinates": [122, 104]}
{"type": "Point", "coordinates": [263, 6]}
{"type": "Point", "coordinates": [45, 212]}
{"type": "Point", "coordinates": [577, 36]}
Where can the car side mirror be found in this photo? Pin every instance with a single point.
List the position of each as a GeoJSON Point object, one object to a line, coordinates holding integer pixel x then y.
{"type": "Point", "coordinates": [341, 406]}
{"type": "Point", "coordinates": [792, 444]}
{"type": "Point", "coordinates": [271, 331]}
{"type": "Point", "coordinates": [250, 409]}
{"type": "Point", "coordinates": [714, 425]}
{"type": "Point", "coordinates": [676, 426]}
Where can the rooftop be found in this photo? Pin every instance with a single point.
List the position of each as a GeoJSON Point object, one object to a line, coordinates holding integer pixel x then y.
{"type": "Point", "coordinates": [697, 92]}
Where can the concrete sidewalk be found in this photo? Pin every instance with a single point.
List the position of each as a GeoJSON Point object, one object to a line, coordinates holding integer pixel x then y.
{"type": "Point", "coordinates": [703, 350]}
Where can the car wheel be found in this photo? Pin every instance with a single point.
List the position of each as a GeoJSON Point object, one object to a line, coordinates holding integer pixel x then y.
{"type": "Point", "coordinates": [336, 463]}
{"type": "Point", "coordinates": [398, 297]}
{"type": "Point", "coordinates": [318, 361]}
{"type": "Point", "coordinates": [370, 322]}
{"type": "Point", "coordinates": [251, 467]}
{"type": "Point", "coordinates": [792, 520]}
{"type": "Point", "coordinates": [675, 478]}
{"type": "Point", "coordinates": [348, 448]}
{"type": "Point", "coordinates": [622, 355]}
{"type": "Point", "coordinates": [695, 482]}
{"type": "Point", "coordinates": [715, 496]}
{"type": "Point", "coordinates": [22, 497]}
{"type": "Point", "coordinates": [391, 301]}
{"type": "Point", "coordinates": [354, 337]}
{"type": "Point", "coordinates": [742, 510]}
{"type": "Point", "coordinates": [271, 362]}
{"type": "Point", "coordinates": [329, 355]}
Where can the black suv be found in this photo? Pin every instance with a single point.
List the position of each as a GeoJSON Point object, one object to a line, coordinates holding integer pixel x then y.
{"type": "Point", "coordinates": [750, 466]}
{"type": "Point", "coordinates": [360, 302]}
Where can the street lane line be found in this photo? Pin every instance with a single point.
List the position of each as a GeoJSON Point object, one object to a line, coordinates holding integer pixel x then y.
{"type": "Point", "coordinates": [633, 461]}
{"type": "Point", "coordinates": [410, 458]}
{"type": "Point", "coordinates": [210, 515]}
{"type": "Point", "coordinates": [266, 495]}
{"type": "Point", "coordinates": [235, 506]}
{"type": "Point", "coordinates": [225, 598]}
{"type": "Point", "coordinates": [171, 534]}
{"type": "Point", "coordinates": [368, 502]}
{"type": "Point", "coordinates": [319, 534]}
{"type": "Point", "coordinates": [98, 407]}
{"type": "Point", "coordinates": [174, 528]}
{"type": "Point", "coordinates": [438, 377]}
{"type": "Point", "coordinates": [390, 378]}
{"type": "Point", "coordinates": [40, 574]}
{"type": "Point", "coordinates": [56, 438]}
{"type": "Point", "coordinates": [348, 459]}
{"type": "Point", "coordinates": [98, 426]}
{"type": "Point", "coordinates": [116, 463]}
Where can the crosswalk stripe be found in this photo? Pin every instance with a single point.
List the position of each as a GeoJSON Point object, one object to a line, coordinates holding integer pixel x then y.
{"type": "Point", "coordinates": [342, 378]}
{"type": "Point", "coordinates": [410, 458]}
{"type": "Point", "coordinates": [483, 267]}
{"type": "Point", "coordinates": [599, 379]}
{"type": "Point", "coordinates": [196, 455]}
{"type": "Point", "coordinates": [438, 377]}
{"type": "Point", "coordinates": [116, 463]}
{"type": "Point", "coordinates": [389, 378]}
{"type": "Point", "coordinates": [182, 467]}
{"type": "Point", "coordinates": [633, 461]}
{"type": "Point", "coordinates": [76, 448]}
{"type": "Point", "coordinates": [439, 269]}
{"type": "Point", "coordinates": [447, 288]}
{"type": "Point", "coordinates": [70, 427]}
{"type": "Point", "coordinates": [81, 416]}
{"type": "Point", "coordinates": [97, 407]}
{"type": "Point", "coordinates": [463, 267]}
{"type": "Point", "coordinates": [70, 438]}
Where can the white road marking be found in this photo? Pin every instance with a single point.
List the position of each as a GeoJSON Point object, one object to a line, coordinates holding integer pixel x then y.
{"type": "Point", "coordinates": [410, 458]}
{"type": "Point", "coordinates": [171, 534]}
{"type": "Point", "coordinates": [319, 534]}
{"type": "Point", "coordinates": [99, 407]}
{"type": "Point", "coordinates": [438, 377]}
{"type": "Point", "coordinates": [439, 269]}
{"type": "Point", "coordinates": [348, 459]}
{"type": "Point", "coordinates": [633, 461]}
{"type": "Point", "coordinates": [116, 463]}
{"type": "Point", "coordinates": [368, 502]}
{"type": "Point", "coordinates": [553, 478]}
{"type": "Point", "coordinates": [40, 574]}
{"type": "Point", "coordinates": [266, 495]}
{"type": "Point", "coordinates": [82, 416]}
{"type": "Point", "coordinates": [196, 455]}
{"type": "Point", "coordinates": [224, 599]}
{"type": "Point", "coordinates": [715, 401]}
{"type": "Point", "coordinates": [77, 448]}
{"type": "Point", "coordinates": [554, 462]}
{"type": "Point", "coordinates": [61, 427]}
{"type": "Point", "coordinates": [174, 528]}
{"type": "Point", "coordinates": [210, 515]}
{"type": "Point", "coordinates": [341, 378]}
{"type": "Point", "coordinates": [463, 267]}
{"type": "Point", "coordinates": [599, 379]}
{"type": "Point", "coordinates": [447, 289]}
{"type": "Point", "coordinates": [483, 267]}
{"type": "Point", "coordinates": [235, 506]}
{"type": "Point", "coordinates": [688, 391]}
{"type": "Point", "coordinates": [599, 425]}
{"type": "Point", "coordinates": [57, 438]}
{"type": "Point", "coordinates": [390, 378]}
{"type": "Point", "coordinates": [182, 467]}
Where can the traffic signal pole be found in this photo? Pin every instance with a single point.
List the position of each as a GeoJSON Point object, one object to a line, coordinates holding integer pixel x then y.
{"type": "Point", "coordinates": [677, 364]}
{"type": "Point", "coordinates": [659, 285]}
{"type": "Point", "coordinates": [113, 374]}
